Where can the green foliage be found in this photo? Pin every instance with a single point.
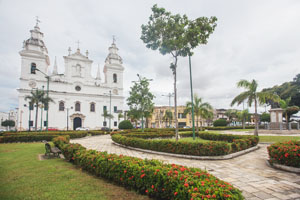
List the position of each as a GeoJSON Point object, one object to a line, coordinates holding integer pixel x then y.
{"type": "Point", "coordinates": [168, 117]}
{"type": "Point", "coordinates": [252, 96]}
{"type": "Point", "coordinates": [125, 124]}
{"type": "Point", "coordinates": [150, 177]}
{"type": "Point", "coordinates": [201, 109]}
{"type": "Point", "coordinates": [8, 123]}
{"type": "Point", "coordinates": [285, 153]}
{"type": "Point", "coordinates": [220, 144]}
{"type": "Point", "coordinates": [41, 136]}
{"type": "Point", "coordinates": [141, 99]}
{"type": "Point", "coordinates": [287, 90]}
{"type": "Point", "coordinates": [265, 117]}
{"type": "Point", "coordinates": [220, 122]}
{"type": "Point", "coordinates": [175, 35]}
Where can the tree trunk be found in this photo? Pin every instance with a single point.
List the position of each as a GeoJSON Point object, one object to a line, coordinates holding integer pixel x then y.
{"type": "Point", "coordinates": [36, 116]}
{"type": "Point", "coordinates": [255, 119]}
{"type": "Point", "coordinates": [287, 121]}
{"type": "Point", "coordinates": [243, 122]}
{"type": "Point", "coordinates": [175, 100]}
{"type": "Point", "coordinates": [200, 124]}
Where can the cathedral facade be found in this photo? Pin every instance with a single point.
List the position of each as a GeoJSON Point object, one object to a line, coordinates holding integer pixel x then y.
{"type": "Point", "coordinates": [79, 100]}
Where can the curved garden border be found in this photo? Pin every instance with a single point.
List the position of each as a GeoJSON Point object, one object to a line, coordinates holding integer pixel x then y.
{"type": "Point", "coordinates": [225, 157]}
{"type": "Point", "coordinates": [283, 167]}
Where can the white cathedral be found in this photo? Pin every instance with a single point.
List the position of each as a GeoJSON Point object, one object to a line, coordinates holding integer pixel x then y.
{"type": "Point", "coordinates": [79, 99]}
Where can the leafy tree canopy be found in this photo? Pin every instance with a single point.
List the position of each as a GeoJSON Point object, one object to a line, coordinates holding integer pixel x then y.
{"type": "Point", "coordinates": [286, 90]}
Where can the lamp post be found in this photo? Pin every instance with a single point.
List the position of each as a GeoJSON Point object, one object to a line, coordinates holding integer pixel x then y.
{"type": "Point", "coordinates": [68, 117]}
{"type": "Point", "coordinates": [169, 95]}
{"type": "Point", "coordinates": [192, 96]}
{"type": "Point", "coordinates": [109, 109]}
{"type": "Point", "coordinates": [48, 79]}
{"type": "Point", "coordinates": [29, 117]}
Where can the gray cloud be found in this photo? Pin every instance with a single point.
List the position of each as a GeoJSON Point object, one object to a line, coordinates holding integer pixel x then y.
{"type": "Point", "coordinates": [253, 40]}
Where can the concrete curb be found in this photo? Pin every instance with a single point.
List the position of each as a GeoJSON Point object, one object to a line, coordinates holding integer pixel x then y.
{"type": "Point", "coordinates": [283, 167]}
{"type": "Point", "coordinates": [225, 157]}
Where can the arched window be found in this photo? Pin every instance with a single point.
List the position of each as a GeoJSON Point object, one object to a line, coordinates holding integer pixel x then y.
{"type": "Point", "coordinates": [77, 106]}
{"type": "Point", "coordinates": [115, 78]}
{"type": "Point", "coordinates": [92, 107]}
{"type": "Point", "coordinates": [61, 106]}
{"type": "Point", "coordinates": [33, 68]}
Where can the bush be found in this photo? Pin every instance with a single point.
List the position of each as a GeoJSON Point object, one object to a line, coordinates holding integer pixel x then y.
{"type": "Point", "coordinates": [150, 177]}
{"type": "Point", "coordinates": [125, 124]}
{"type": "Point", "coordinates": [40, 136]}
{"type": "Point", "coordinates": [221, 144]}
{"type": "Point", "coordinates": [220, 122]}
{"type": "Point", "coordinates": [285, 153]}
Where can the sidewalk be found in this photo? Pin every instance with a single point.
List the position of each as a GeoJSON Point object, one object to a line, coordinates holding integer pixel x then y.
{"type": "Point", "coordinates": [249, 172]}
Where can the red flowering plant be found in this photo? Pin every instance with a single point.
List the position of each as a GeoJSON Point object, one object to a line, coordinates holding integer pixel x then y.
{"type": "Point", "coordinates": [151, 177]}
{"type": "Point", "coordinates": [285, 153]}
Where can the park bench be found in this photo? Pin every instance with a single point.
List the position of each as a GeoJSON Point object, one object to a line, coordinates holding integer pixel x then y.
{"type": "Point", "coordinates": [52, 150]}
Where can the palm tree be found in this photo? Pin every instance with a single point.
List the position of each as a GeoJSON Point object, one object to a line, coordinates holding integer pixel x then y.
{"type": "Point", "coordinates": [252, 95]}
{"type": "Point", "coordinates": [203, 110]}
{"type": "Point", "coordinates": [243, 116]}
{"type": "Point", "coordinates": [36, 98]}
{"type": "Point", "coordinates": [120, 115]}
{"type": "Point", "coordinates": [231, 114]}
{"type": "Point", "coordinates": [106, 115]}
{"type": "Point", "coordinates": [284, 104]}
{"type": "Point", "coordinates": [134, 116]}
{"type": "Point", "coordinates": [168, 117]}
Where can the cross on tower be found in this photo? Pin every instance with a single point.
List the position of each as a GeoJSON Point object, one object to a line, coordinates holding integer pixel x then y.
{"type": "Point", "coordinates": [78, 44]}
{"type": "Point", "coordinates": [114, 39]}
{"type": "Point", "coordinates": [37, 20]}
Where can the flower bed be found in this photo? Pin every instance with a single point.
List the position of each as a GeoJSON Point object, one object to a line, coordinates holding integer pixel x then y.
{"type": "Point", "coordinates": [40, 136]}
{"type": "Point", "coordinates": [150, 177]}
{"type": "Point", "coordinates": [220, 145]}
{"type": "Point", "coordinates": [285, 153]}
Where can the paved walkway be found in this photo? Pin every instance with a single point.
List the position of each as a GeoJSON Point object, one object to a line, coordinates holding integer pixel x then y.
{"type": "Point", "coordinates": [248, 172]}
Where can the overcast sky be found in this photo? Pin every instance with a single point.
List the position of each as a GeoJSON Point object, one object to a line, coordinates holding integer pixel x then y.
{"type": "Point", "coordinates": [253, 39]}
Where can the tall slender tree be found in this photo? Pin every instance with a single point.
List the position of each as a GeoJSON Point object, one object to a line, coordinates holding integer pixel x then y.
{"type": "Point", "coordinates": [168, 117]}
{"type": "Point", "coordinates": [175, 35]}
{"type": "Point", "coordinates": [202, 110]}
{"type": "Point", "coordinates": [141, 98]}
{"type": "Point", "coordinates": [252, 95]}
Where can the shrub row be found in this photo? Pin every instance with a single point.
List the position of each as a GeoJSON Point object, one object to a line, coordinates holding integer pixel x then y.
{"type": "Point", "coordinates": [221, 144]}
{"type": "Point", "coordinates": [150, 177]}
{"type": "Point", "coordinates": [40, 136]}
{"type": "Point", "coordinates": [285, 153]}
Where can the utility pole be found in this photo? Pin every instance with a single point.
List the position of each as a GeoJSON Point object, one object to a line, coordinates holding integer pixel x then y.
{"type": "Point", "coordinates": [192, 97]}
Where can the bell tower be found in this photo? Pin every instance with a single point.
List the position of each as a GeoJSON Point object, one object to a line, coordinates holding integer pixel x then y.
{"type": "Point", "coordinates": [34, 55]}
{"type": "Point", "coordinates": [113, 69]}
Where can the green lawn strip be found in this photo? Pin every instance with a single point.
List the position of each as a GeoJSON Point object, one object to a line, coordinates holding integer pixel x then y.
{"type": "Point", "coordinates": [190, 139]}
{"type": "Point", "coordinates": [277, 138]}
{"type": "Point", "coordinates": [23, 176]}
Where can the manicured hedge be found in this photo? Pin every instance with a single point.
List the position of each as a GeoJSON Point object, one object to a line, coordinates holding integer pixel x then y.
{"type": "Point", "coordinates": [285, 153]}
{"type": "Point", "coordinates": [40, 136]}
{"type": "Point", "coordinates": [220, 122]}
{"type": "Point", "coordinates": [221, 144]}
{"type": "Point", "coordinates": [150, 177]}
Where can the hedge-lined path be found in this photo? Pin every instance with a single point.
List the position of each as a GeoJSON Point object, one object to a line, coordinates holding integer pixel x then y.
{"type": "Point", "coordinates": [248, 172]}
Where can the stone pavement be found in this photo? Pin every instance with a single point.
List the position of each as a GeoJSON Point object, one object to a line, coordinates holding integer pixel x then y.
{"type": "Point", "coordinates": [249, 172]}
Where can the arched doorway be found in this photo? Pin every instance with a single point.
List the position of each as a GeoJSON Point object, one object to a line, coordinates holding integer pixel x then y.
{"type": "Point", "coordinates": [77, 123]}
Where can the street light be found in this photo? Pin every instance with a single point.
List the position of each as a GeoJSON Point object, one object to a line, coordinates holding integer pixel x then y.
{"type": "Point", "coordinates": [29, 118]}
{"type": "Point", "coordinates": [192, 96]}
{"type": "Point", "coordinates": [68, 117]}
{"type": "Point", "coordinates": [48, 79]}
{"type": "Point", "coordinates": [109, 109]}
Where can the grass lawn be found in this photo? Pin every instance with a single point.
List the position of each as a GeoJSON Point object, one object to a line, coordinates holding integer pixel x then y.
{"type": "Point", "coordinates": [240, 130]}
{"type": "Point", "coordinates": [190, 139]}
{"type": "Point", "coordinates": [23, 176]}
{"type": "Point", "coordinates": [277, 138]}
